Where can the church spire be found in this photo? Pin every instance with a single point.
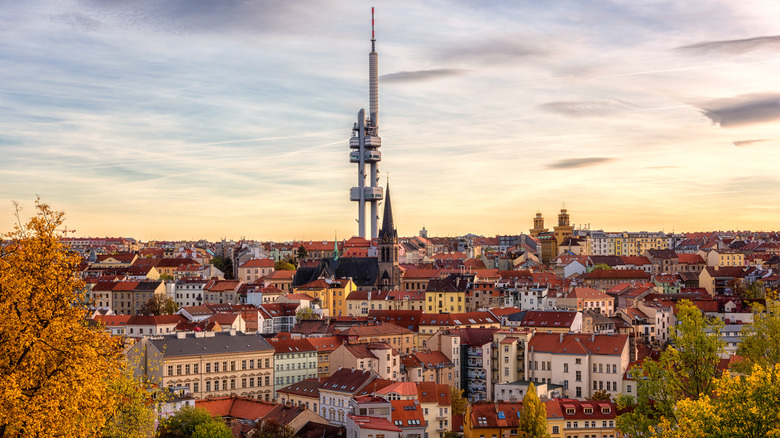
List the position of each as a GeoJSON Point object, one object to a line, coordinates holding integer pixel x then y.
{"type": "Point", "coordinates": [388, 227]}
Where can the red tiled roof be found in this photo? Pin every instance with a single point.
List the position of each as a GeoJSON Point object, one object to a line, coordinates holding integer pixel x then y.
{"type": "Point", "coordinates": [236, 407]}
{"type": "Point", "coordinates": [374, 423]}
{"type": "Point", "coordinates": [577, 343]}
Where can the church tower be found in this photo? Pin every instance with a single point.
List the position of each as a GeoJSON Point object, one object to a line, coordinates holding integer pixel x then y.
{"type": "Point", "coordinates": [538, 225]}
{"type": "Point", "coordinates": [389, 275]}
{"type": "Point", "coordinates": [564, 229]}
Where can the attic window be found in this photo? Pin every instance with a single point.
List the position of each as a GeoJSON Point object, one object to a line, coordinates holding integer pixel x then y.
{"type": "Point", "coordinates": [501, 415]}
{"type": "Point", "coordinates": [570, 411]}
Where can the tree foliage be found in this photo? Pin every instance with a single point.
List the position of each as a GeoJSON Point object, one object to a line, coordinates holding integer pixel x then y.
{"type": "Point", "coordinates": [738, 407]}
{"type": "Point", "coordinates": [283, 265]}
{"type": "Point", "coordinates": [189, 422]}
{"type": "Point", "coordinates": [533, 418]}
{"type": "Point", "coordinates": [302, 253]}
{"type": "Point", "coordinates": [306, 313]}
{"type": "Point", "coordinates": [224, 264]}
{"type": "Point", "coordinates": [55, 367]}
{"type": "Point", "coordinates": [459, 403]}
{"type": "Point", "coordinates": [685, 370]}
{"type": "Point", "coordinates": [602, 266]}
{"type": "Point", "coordinates": [760, 342]}
{"type": "Point", "coordinates": [601, 396]}
{"type": "Point", "coordinates": [159, 304]}
{"type": "Point", "coordinates": [135, 414]}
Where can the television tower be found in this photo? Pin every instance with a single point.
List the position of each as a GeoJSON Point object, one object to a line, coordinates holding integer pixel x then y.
{"type": "Point", "coordinates": [365, 143]}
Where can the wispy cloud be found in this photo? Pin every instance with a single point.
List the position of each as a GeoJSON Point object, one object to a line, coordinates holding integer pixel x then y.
{"type": "Point", "coordinates": [421, 75]}
{"type": "Point", "coordinates": [574, 163]}
{"type": "Point", "coordinates": [586, 108]}
{"type": "Point", "coordinates": [495, 51]}
{"type": "Point", "coordinates": [741, 110]}
{"type": "Point", "coordinates": [78, 21]}
{"type": "Point", "coordinates": [734, 46]}
{"type": "Point", "coordinates": [743, 143]}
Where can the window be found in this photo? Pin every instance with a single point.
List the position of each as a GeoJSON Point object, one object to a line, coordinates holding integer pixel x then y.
{"type": "Point", "coordinates": [578, 376]}
{"type": "Point", "coordinates": [578, 361]}
{"type": "Point", "coordinates": [208, 386]}
{"type": "Point", "coordinates": [555, 429]}
{"type": "Point", "coordinates": [243, 364]}
{"type": "Point", "coordinates": [178, 370]}
{"type": "Point", "coordinates": [565, 368]}
{"type": "Point", "coordinates": [170, 370]}
{"type": "Point", "coordinates": [187, 369]}
{"type": "Point", "coordinates": [195, 387]}
{"type": "Point", "coordinates": [195, 368]}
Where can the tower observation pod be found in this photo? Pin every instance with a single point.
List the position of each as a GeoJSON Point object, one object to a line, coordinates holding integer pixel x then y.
{"type": "Point", "coordinates": [364, 145]}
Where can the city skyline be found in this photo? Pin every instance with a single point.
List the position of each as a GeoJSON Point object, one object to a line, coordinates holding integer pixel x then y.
{"type": "Point", "coordinates": [187, 120]}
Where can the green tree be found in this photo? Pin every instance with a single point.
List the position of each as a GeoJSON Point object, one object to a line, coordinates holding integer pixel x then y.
{"type": "Point", "coordinates": [601, 396]}
{"type": "Point", "coordinates": [224, 264]}
{"type": "Point", "coordinates": [459, 403]}
{"type": "Point", "coordinates": [451, 434]}
{"type": "Point", "coordinates": [603, 266]}
{"type": "Point", "coordinates": [685, 370]}
{"type": "Point", "coordinates": [55, 367]}
{"type": "Point", "coordinates": [306, 313]}
{"type": "Point", "coordinates": [760, 342]}
{"type": "Point", "coordinates": [160, 304]}
{"type": "Point", "coordinates": [302, 253]}
{"type": "Point", "coordinates": [166, 277]}
{"type": "Point", "coordinates": [271, 429]}
{"type": "Point", "coordinates": [533, 418]}
{"type": "Point", "coordinates": [283, 265]}
{"type": "Point", "coordinates": [193, 422]}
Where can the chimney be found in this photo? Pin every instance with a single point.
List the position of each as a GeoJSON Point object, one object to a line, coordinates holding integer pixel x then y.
{"type": "Point", "coordinates": [561, 338]}
{"type": "Point", "coordinates": [232, 332]}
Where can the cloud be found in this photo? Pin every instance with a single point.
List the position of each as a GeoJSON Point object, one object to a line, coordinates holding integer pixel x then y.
{"type": "Point", "coordinates": [574, 163]}
{"type": "Point", "coordinates": [587, 108]}
{"type": "Point", "coordinates": [78, 21]}
{"type": "Point", "coordinates": [734, 46]}
{"type": "Point", "coordinates": [492, 52]}
{"type": "Point", "coordinates": [742, 143]}
{"type": "Point", "coordinates": [421, 75]}
{"type": "Point", "coordinates": [744, 109]}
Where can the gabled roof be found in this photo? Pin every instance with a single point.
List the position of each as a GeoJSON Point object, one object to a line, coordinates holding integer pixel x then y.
{"type": "Point", "coordinates": [578, 343]}
{"type": "Point", "coordinates": [347, 380]}
{"type": "Point", "coordinates": [291, 345]}
{"type": "Point", "coordinates": [374, 423]}
{"type": "Point", "coordinates": [236, 407]}
{"type": "Point", "coordinates": [548, 319]}
{"type": "Point", "coordinates": [221, 343]}
{"type": "Point", "coordinates": [588, 293]}
{"type": "Point", "coordinates": [156, 319]}
{"type": "Point", "coordinates": [407, 413]}
{"type": "Point", "coordinates": [401, 388]}
{"type": "Point", "coordinates": [432, 392]}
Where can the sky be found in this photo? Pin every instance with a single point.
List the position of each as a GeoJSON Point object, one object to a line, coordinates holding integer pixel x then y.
{"type": "Point", "coordinates": [189, 119]}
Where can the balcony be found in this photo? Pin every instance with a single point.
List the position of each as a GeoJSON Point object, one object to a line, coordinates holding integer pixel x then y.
{"type": "Point", "coordinates": [477, 375]}
{"type": "Point", "coordinates": [371, 142]}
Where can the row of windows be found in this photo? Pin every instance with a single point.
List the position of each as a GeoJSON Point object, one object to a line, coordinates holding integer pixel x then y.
{"type": "Point", "coordinates": [186, 369]}
{"type": "Point", "coordinates": [291, 366]}
{"type": "Point", "coordinates": [589, 424]}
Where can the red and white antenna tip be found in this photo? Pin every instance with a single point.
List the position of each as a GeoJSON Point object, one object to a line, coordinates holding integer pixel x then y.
{"type": "Point", "coordinates": [372, 22]}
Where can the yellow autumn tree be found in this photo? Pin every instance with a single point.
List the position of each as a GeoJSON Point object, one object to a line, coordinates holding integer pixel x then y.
{"type": "Point", "coordinates": [55, 369]}
{"type": "Point", "coordinates": [739, 407]}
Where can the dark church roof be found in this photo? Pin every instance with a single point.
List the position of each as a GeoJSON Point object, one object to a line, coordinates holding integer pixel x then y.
{"type": "Point", "coordinates": [362, 270]}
